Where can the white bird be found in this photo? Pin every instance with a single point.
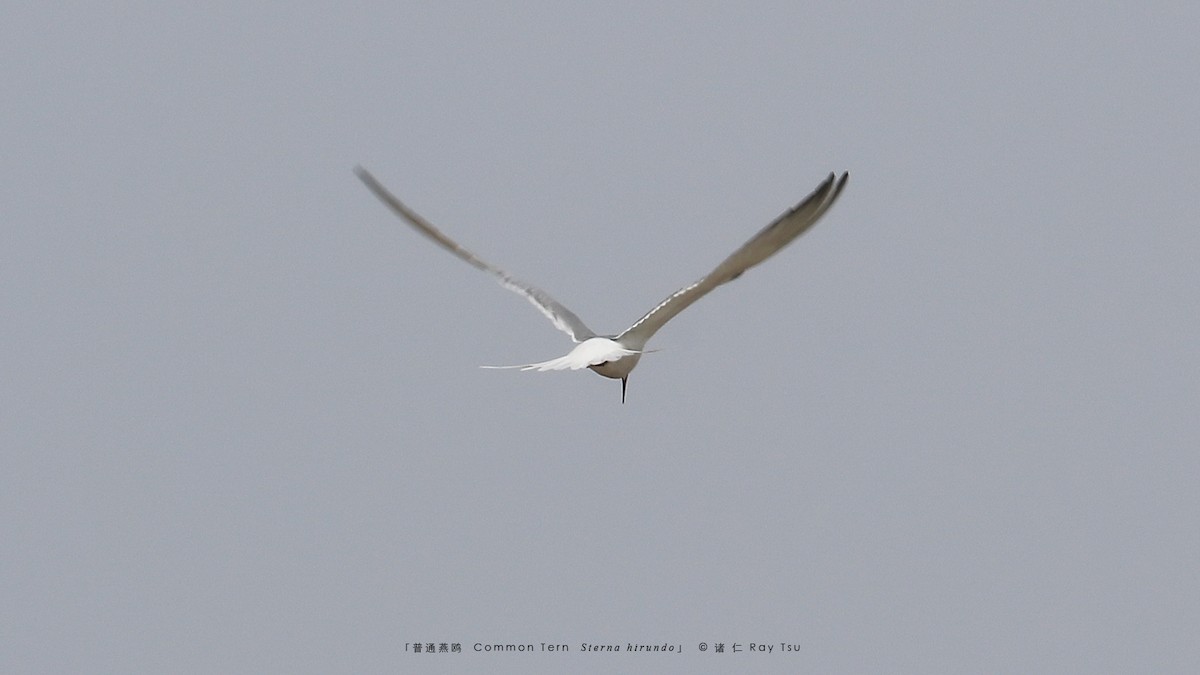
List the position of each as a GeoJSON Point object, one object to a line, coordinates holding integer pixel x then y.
{"type": "Point", "coordinates": [615, 356]}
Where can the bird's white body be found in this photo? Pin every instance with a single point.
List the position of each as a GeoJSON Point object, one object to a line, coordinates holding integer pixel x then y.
{"type": "Point", "coordinates": [618, 368]}
{"type": "Point", "coordinates": [616, 356]}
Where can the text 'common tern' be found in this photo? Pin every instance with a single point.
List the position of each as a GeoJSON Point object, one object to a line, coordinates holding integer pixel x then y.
{"type": "Point", "coordinates": [615, 356]}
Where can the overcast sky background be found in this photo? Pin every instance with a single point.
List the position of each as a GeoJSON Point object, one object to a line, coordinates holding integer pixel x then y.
{"type": "Point", "coordinates": [953, 428]}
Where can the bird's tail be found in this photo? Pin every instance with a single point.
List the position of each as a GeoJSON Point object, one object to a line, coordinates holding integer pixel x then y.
{"type": "Point", "coordinates": [560, 363]}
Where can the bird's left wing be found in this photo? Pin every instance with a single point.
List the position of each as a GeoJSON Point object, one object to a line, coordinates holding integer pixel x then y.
{"type": "Point", "coordinates": [761, 246]}
{"type": "Point", "coordinates": [562, 318]}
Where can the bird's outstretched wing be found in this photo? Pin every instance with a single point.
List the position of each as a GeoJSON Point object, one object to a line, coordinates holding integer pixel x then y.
{"type": "Point", "coordinates": [563, 318]}
{"type": "Point", "coordinates": [761, 246]}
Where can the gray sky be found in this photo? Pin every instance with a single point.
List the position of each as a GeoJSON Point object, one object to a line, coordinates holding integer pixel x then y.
{"type": "Point", "coordinates": [951, 429]}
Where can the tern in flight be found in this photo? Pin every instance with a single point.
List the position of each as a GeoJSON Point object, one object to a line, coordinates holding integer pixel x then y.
{"type": "Point", "coordinates": [615, 356]}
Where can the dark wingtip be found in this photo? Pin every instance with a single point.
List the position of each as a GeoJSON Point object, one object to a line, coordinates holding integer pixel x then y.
{"type": "Point", "coordinates": [367, 177]}
{"type": "Point", "coordinates": [841, 185]}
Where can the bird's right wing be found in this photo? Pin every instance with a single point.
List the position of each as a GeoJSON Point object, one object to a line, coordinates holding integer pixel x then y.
{"type": "Point", "coordinates": [761, 246]}
{"type": "Point", "coordinates": [562, 318]}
